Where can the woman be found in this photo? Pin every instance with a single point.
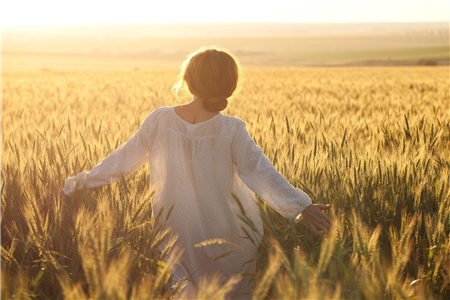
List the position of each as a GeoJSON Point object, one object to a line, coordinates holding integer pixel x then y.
{"type": "Point", "coordinates": [202, 161]}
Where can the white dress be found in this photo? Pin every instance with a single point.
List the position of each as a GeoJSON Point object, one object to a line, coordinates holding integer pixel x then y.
{"type": "Point", "coordinates": [197, 167]}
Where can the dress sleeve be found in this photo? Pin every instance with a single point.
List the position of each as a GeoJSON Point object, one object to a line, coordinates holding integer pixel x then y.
{"type": "Point", "coordinates": [259, 174]}
{"type": "Point", "coordinates": [123, 161]}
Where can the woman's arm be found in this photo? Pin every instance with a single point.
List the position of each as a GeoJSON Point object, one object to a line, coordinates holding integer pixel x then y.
{"type": "Point", "coordinates": [259, 174]}
{"type": "Point", "coordinates": [126, 159]}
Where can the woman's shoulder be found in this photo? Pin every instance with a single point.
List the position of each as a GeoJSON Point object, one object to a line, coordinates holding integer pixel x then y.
{"type": "Point", "coordinates": [161, 109]}
{"type": "Point", "coordinates": [234, 121]}
{"type": "Point", "coordinates": [152, 119]}
{"type": "Point", "coordinates": [156, 113]}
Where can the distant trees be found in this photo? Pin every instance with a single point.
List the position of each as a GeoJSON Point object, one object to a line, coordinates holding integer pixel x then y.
{"type": "Point", "coordinates": [426, 62]}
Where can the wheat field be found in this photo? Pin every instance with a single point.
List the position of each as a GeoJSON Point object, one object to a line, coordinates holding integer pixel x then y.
{"type": "Point", "coordinates": [372, 142]}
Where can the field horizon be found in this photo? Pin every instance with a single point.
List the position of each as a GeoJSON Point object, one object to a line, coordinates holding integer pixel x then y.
{"type": "Point", "coordinates": [156, 46]}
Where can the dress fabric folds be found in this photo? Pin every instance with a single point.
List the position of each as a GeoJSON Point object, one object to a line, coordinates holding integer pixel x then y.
{"type": "Point", "coordinates": [198, 168]}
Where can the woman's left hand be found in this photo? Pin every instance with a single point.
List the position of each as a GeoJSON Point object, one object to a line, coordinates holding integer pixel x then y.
{"type": "Point", "coordinates": [63, 196]}
{"type": "Point", "coordinates": [47, 201]}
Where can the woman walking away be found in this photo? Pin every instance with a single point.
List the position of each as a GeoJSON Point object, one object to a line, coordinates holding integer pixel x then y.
{"type": "Point", "coordinates": [199, 161]}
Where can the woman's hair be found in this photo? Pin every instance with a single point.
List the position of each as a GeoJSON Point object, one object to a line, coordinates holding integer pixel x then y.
{"type": "Point", "coordinates": [212, 74]}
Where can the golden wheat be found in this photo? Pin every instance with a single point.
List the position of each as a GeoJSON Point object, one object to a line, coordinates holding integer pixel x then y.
{"type": "Point", "coordinates": [373, 142]}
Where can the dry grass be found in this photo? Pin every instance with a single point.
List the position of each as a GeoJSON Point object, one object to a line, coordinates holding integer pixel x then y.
{"type": "Point", "coordinates": [373, 142]}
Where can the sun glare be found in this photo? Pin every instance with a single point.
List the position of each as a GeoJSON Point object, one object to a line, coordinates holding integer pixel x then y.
{"type": "Point", "coordinates": [202, 11]}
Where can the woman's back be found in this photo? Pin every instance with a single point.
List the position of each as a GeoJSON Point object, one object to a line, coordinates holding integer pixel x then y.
{"type": "Point", "coordinates": [191, 167]}
{"type": "Point", "coordinates": [192, 170]}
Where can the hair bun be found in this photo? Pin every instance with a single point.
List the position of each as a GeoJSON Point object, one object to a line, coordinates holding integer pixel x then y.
{"type": "Point", "coordinates": [217, 103]}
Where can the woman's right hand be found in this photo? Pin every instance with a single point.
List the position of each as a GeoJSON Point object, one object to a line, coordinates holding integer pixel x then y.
{"type": "Point", "coordinates": [316, 218]}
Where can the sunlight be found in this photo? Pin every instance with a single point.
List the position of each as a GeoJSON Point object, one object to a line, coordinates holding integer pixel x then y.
{"type": "Point", "coordinates": [201, 11]}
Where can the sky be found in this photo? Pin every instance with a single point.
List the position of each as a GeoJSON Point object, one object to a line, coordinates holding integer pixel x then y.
{"type": "Point", "coordinates": [43, 12]}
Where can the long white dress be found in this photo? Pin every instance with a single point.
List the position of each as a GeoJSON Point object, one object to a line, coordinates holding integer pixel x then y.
{"type": "Point", "coordinates": [197, 167]}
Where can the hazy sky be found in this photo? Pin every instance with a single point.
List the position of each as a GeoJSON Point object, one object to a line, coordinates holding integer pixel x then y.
{"type": "Point", "coordinates": [16, 12]}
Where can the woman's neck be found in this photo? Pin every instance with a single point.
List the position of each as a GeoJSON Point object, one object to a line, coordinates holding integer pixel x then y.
{"type": "Point", "coordinates": [196, 104]}
{"type": "Point", "coordinates": [194, 111]}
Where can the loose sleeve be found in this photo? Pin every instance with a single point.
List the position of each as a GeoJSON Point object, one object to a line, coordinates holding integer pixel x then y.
{"type": "Point", "coordinates": [259, 174]}
{"type": "Point", "coordinates": [126, 159]}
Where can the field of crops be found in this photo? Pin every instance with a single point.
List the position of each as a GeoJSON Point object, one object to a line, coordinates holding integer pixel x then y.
{"type": "Point", "coordinates": [372, 142]}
